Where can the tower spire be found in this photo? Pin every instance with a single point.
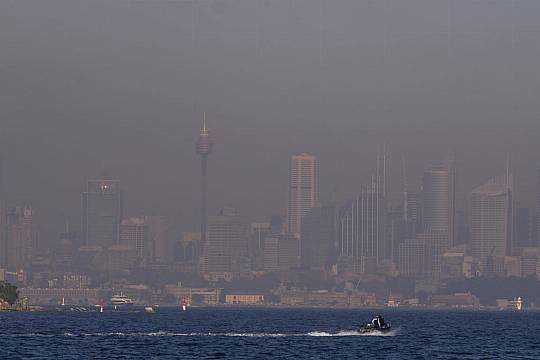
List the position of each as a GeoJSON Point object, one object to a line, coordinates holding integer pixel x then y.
{"type": "Point", "coordinates": [203, 149]}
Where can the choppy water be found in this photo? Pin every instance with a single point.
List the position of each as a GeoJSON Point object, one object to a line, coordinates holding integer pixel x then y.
{"type": "Point", "coordinates": [257, 333]}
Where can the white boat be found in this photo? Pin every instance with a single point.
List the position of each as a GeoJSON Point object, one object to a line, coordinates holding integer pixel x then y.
{"type": "Point", "coordinates": [121, 300]}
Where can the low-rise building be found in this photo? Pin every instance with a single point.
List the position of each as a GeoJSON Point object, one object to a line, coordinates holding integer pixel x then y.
{"type": "Point", "coordinates": [456, 300]}
{"type": "Point", "coordinates": [207, 296]}
{"type": "Point", "coordinates": [54, 296]}
{"type": "Point", "coordinates": [329, 298]}
{"type": "Point", "coordinates": [244, 299]}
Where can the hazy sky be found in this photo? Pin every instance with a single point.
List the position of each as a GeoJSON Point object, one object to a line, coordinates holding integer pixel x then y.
{"type": "Point", "coordinates": [123, 84]}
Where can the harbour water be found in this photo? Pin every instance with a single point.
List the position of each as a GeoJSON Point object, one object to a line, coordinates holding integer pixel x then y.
{"type": "Point", "coordinates": [264, 333]}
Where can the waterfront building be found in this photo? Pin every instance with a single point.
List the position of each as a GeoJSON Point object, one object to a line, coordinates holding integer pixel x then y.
{"type": "Point", "coordinates": [194, 296]}
{"type": "Point", "coordinates": [54, 296]}
{"type": "Point", "coordinates": [457, 300]}
{"type": "Point", "coordinates": [244, 299]}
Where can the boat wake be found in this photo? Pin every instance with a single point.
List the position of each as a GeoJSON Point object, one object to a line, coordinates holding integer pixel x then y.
{"type": "Point", "coordinates": [234, 334]}
{"type": "Point", "coordinates": [353, 333]}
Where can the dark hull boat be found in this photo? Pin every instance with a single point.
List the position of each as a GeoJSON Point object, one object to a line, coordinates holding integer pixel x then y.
{"type": "Point", "coordinates": [376, 325]}
{"type": "Point", "coordinates": [371, 329]}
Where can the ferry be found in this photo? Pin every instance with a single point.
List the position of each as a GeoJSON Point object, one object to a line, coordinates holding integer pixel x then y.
{"type": "Point", "coordinates": [184, 303]}
{"type": "Point", "coordinates": [121, 301]}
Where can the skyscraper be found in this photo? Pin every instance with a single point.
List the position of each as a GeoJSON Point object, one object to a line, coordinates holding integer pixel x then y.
{"type": "Point", "coordinates": [3, 217]}
{"type": "Point", "coordinates": [491, 217]}
{"type": "Point", "coordinates": [524, 228]}
{"type": "Point", "coordinates": [361, 239]}
{"type": "Point", "coordinates": [102, 205]}
{"type": "Point", "coordinates": [20, 237]}
{"type": "Point", "coordinates": [438, 198]}
{"type": "Point", "coordinates": [303, 190]}
{"type": "Point", "coordinates": [204, 148]}
{"type": "Point", "coordinates": [536, 235]}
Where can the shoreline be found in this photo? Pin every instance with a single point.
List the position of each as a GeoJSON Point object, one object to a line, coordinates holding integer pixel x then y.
{"type": "Point", "coordinates": [140, 308]}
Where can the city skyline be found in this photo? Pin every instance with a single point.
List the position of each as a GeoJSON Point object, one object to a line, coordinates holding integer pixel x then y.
{"type": "Point", "coordinates": [382, 188]}
{"type": "Point", "coordinates": [136, 112]}
{"type": "Point", "coordinates": [252, 178]}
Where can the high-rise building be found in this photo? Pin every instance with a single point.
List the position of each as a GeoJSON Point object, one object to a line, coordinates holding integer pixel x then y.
{"type": "Point", "coordinates": [204, 149]}
{"type": "Point", "coordinates": [412, 258]}
{"type": "Point", "coordinates": [257, 233]}
{"type": "Point", "coordinates": [412, 212]}
{"type": "Point", "coordinates": [189, 248]}
{"type": "Point", "coordinates": [361, 239]}
{"type": "Point", "coordinates": [20, 237]}
{"type": "Point", "coordinates": [491, 217]}
{"type": "Point", "coordinates": [162, 248]}
{"type": "Point", "coordinates": [3, 217]}
{"type": "Point", "coordinates": [65, 251]}
{"type": "Point", "coordinates": [461, 236]}
{"type": "Point", "coordinates": [102, 207]}
{"type": "Point", "coordinates": [537, 230]}
{"type": "Point", "coordinates": [303, 190]}
{"type": "Point", "coordinates": [317, 239]}
{"type": "Point", "coordinates": [397, 231]}
{"type": "Point", "coordinates": [280, 252]}
{"type": "Point", "coordinates": [438, 199]}
{"type": "Point", "coordinates": [525, 228]}
{"type": "Point", "coordinates": [224, 246]}
{"type": "Point", "coordinates": [435, 243]}
{"type": "Point", "coordinates": [134, 233]}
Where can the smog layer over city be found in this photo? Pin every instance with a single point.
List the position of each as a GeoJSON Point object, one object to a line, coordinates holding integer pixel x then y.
{"type": "Point", "coordinates": [224, 160]}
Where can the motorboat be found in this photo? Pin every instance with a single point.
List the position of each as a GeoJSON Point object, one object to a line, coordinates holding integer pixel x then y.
{"type": "Point", "coordinates": [377, 325]}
